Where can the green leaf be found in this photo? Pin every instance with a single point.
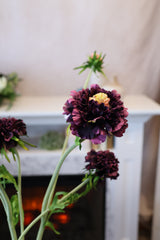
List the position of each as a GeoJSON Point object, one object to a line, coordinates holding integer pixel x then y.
{"type": "Point", "coordinates": [95, 181]}
{"type": "Point", "coordinates": [13, 151]}
{"type": "Point", "coordinates": [22, 143]}
{"type": "Point", "coordinates": [78, 142]}
{"type": "Point", "coordinates": [5, 175]}
{"type": "Point", "coordinates": [57, 194]}
{"type": "Point", "coordinates": [51, 226]}
{"type": "Point", "coordinates": [15, 139]}
{"type": "Point", "coordinates": [29, 144]}
{"type": "Point", "coordinates": [3, 153]}
{"type": "Point", "coordinates": [54, 206]}
{"type": "Point", "coordinates": [13, 78]}
{"type": "Point", "coordinates": [15, 209]}
{"type": "Point", "coordinates": [94, 62]}
{"type": "Point", "coordinates": [57, 207]}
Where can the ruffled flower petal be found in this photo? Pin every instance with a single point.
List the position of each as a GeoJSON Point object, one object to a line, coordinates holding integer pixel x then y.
{"type": "Point", "coordinates": [104, 163]}
{"type": "Point", "coordinates": [9, 128]}
{"type": "Point", "coordinates": [95, 113]}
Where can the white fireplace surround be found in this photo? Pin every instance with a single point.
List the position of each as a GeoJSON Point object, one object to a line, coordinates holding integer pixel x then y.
{"type": "Point", "coordinates": [122, 195]}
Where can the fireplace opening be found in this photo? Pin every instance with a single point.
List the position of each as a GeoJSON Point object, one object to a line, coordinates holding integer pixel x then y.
{"type": "Point", "coordinates": [81, 220]}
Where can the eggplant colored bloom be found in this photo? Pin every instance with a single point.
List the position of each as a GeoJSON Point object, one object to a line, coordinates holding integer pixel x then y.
{"type": "Point", "coordinates": [9, 128]}
{"type": "Point", "coordinates": [104, 163]}
{"type": "Point", "coordinates": [95, 113]}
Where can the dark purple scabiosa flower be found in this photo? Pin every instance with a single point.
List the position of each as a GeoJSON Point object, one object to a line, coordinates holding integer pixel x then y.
{"type": "Point", "coordinates": [95, 113]}
{"type": "Point", "coordinates": [11, 128]}
{"type": "Point", "coordinates": [104, 163]}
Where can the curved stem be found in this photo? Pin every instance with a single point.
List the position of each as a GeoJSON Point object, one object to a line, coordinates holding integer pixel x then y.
{"type": "Point", "coordinates": [68, 131]}
{"type": "Point", "coordinates": [63, 150]}
{"type": "Point", "coordinates": [50, 189]}
{"type": "Point", "coordinates": [19, 193]}
{"type": "Point", "coordinates": [32, 223]}
{"type": "Point", "coordinates": [8, 210]}
{"type": "Point", "coordinates": [76, 189]}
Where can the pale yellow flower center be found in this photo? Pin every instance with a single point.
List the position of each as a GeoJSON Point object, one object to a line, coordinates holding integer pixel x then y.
{"type": "Point", "coordinates": [101, 98]}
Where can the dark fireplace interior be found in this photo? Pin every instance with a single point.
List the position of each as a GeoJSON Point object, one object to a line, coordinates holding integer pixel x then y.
{"type": "Point", "coordinates": [82, 220]}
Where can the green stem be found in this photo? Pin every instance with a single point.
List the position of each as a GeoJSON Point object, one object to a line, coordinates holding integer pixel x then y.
{"type": "Point", "coordinates": [68, 131]}
{"type": "Point", "coordinates": [8, 210]}
{"type": "Point", "coordinates": [63, 150]}
{"type": "Point", "coordinates": [50, 189]}
{"type": "Point", "coordinates": [19, 193]}
{"type": "Point", "coordinates": [32, 223]}
{"type": "Point", "coordinates": [88, 79]}
{"type": "Point", "coordinates": [76, 189]}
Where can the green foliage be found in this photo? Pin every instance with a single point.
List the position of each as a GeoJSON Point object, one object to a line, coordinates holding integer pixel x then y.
{"type": "Point", "coordinates": [6, 177]}
{"type": "Point", "coordinates": [9, 91]}
{"type": "Point", "coordinates": [57, 207]}
{"type": "Point", "coordinates": [95, 62]}
{"type": "Point", "coordinates": [51, 226]}
{"type": "Point", "coordinates": [78, 142]}
{"type": "Point", "coordinates": [21, 143]}
{"type": "Point", "coordinates": [4, 153]}
{"type": "Point", "coordinates": [63, 199]}
{"type": "Point", "coordinates": [52, 140]}
{"type": "Point", "coordinates": [15, 209]}
{"type": "Point", "coordinates": [92, 183]}
{"type": "Point", "coordinates": [14, 152]}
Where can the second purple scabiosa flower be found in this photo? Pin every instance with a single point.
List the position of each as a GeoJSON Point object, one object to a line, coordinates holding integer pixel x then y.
{"type": "Point", "coordinates": [11, 128]}
{"type": "Point", "coordinates": [95, 113]}
{"type": "Point", "coordinates": [11, 131]}
{"type": "Point", "coordinates": [103, 163]}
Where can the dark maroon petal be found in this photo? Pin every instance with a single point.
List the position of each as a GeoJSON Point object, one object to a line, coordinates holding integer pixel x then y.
{"type": "Point", "coordinates": [99, 139]}
{"type": "Point", "coordinates": [9, 128]}
{"type": "Point", "coordinates": [8, 136]}
{"type": "Point", "coordinates": [104, 163]}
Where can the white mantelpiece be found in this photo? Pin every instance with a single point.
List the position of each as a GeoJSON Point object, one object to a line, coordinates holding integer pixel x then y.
{"type": "Point", "coordinates": [122, 195]}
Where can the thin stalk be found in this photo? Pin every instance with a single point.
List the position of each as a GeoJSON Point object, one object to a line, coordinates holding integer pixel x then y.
{"type": "Point", "coordinates": [8, 210]}
{"type": "Point", "coordinates": [19, 193]}
{"type": "Point", "coordinates": [68, 131]}
{"type": "Point", "coordinates": [51, 188]}
{"type": "Point", "coordinates": [88, 79]}
{"type": "Point", "coordinates": [63, 150]}
{"type": "Point", "coordinates": [32, 223]}
{"type": "Point", "coordinates": [76, 189]}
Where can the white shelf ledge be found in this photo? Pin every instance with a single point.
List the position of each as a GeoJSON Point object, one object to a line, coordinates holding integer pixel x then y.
{"type": "Point", "coordinates": [49, 110]}
{"type": "Point", "coordinates": [43, 162]}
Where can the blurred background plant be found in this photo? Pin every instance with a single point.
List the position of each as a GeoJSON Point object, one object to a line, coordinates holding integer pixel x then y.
{"type": "Point", "coordinates": [52, 140]}
{"type": "Point", "coordinates": [8, 84]}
